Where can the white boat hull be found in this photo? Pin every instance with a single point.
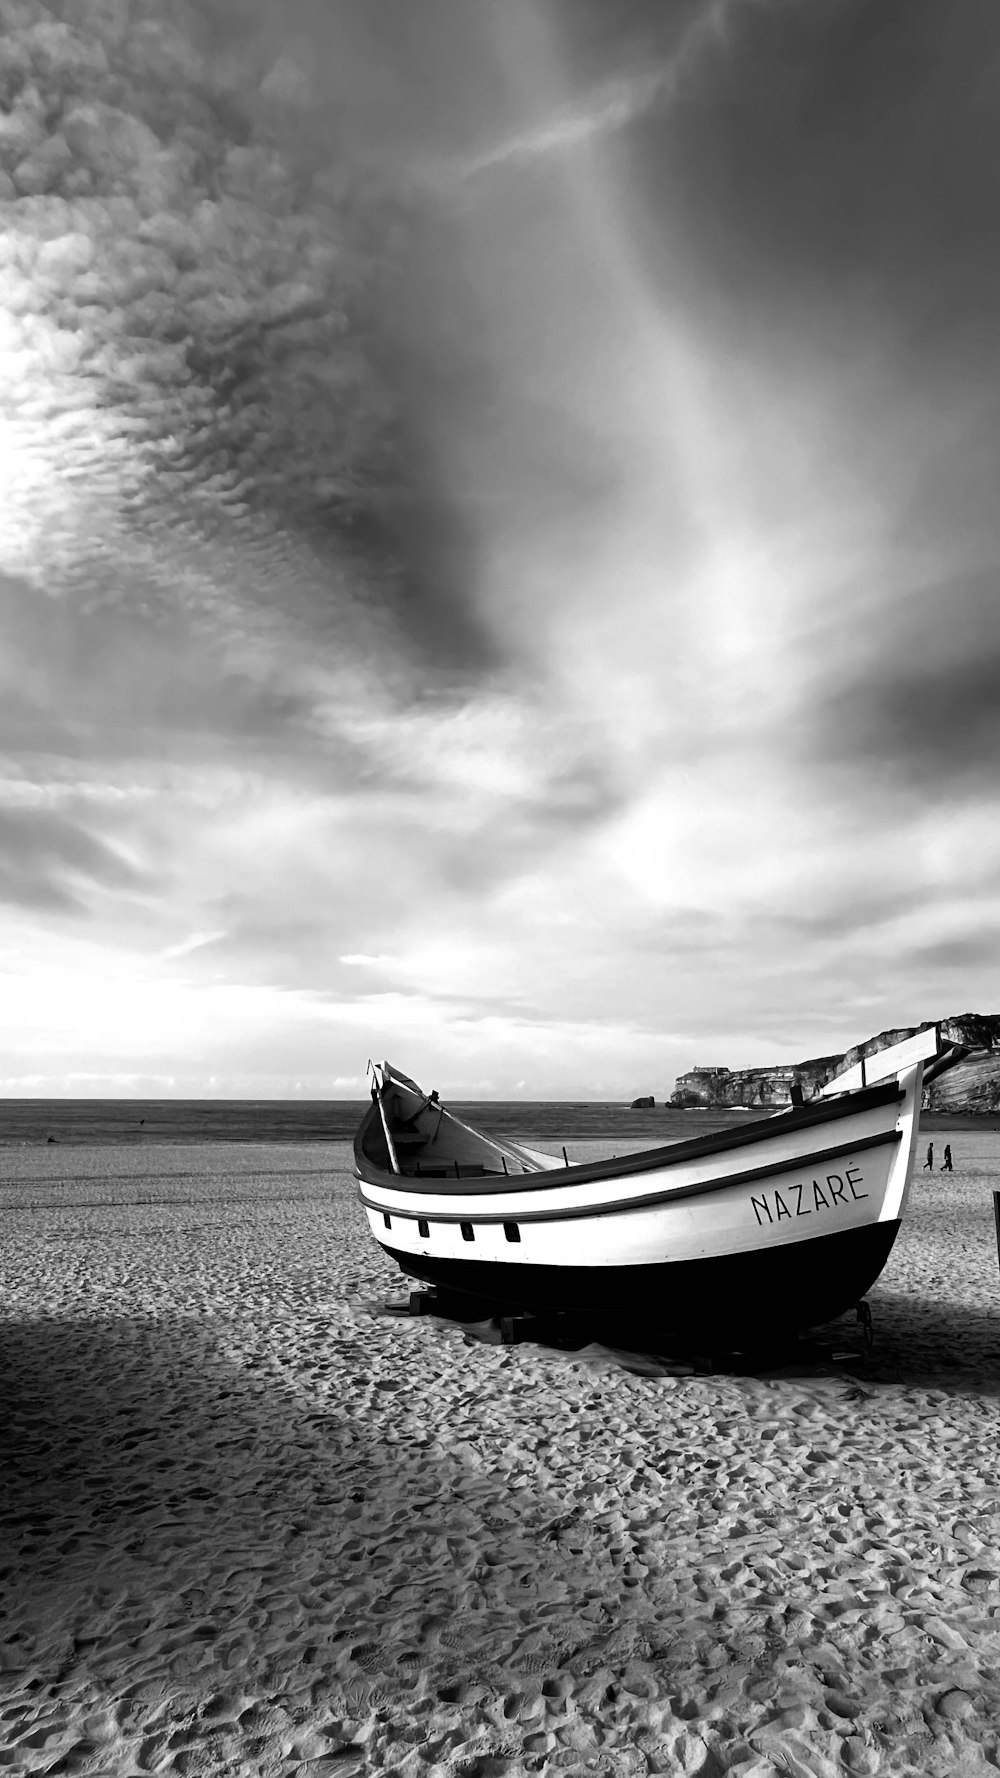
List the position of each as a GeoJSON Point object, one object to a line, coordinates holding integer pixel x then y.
{"type": "Point", "coordinates": [788, 1220]}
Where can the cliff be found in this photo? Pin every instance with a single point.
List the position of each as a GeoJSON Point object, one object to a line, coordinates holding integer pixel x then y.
{"type": "Point", "coordinates": [972, 1085]}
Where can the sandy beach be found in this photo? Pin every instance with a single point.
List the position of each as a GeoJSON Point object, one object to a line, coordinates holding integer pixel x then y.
{"type": "Point", "coordinates": [254, 1523]}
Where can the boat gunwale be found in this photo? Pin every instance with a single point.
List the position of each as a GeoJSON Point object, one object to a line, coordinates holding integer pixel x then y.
{"type": "Point", "coordinates": [644, 1160]}
{"type": "Point", "coordinates": [671, 1195]}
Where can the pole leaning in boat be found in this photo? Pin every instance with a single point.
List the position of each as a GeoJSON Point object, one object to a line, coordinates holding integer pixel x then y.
{"type": "Point", "coordinates": [377, 1086]}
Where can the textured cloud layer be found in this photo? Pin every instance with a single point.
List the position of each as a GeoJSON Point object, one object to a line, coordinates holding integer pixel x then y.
{"type": "Point", "coordinates": [190, 396]}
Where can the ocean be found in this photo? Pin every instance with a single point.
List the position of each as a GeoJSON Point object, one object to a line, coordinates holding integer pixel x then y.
{"type": "Point", "coordinates": [87, 1121]}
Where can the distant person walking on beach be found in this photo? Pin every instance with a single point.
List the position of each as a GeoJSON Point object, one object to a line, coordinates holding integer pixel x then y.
{"type": "Point", "coordinates": [946, 1163]}
{"type": "Point", "coordinates": [929, 1162]}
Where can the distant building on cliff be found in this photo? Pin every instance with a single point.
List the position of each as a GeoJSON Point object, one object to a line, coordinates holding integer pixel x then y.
{"type": "Point", "coordinates": [699, 1086]}
{"type": "Point", "coordinates": [740, 1086]}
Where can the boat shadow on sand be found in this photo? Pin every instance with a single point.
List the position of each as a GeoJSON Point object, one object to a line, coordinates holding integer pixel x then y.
{"type": "Point", "coordinates": [190, 1544]}
{"type": "Point", "coordinates": [911, 1340]}
{"type": "Point", "coordinates": [923, 1341]}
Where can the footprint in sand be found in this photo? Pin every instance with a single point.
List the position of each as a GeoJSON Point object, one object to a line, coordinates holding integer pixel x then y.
{"type": "Point", "coordinates": [369, 1656]}
{"type": "Point", "coordinates": [536, 1666]}
{"type": "Point", "coordinates": [356, 1701]}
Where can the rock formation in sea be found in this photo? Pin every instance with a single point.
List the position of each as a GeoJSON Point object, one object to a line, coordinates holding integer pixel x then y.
{"type": "Point", "coordinates": [972, 1085]}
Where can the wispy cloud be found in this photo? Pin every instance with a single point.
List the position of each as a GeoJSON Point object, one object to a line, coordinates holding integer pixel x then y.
{"type": "Point", "coordinates": [186, 946]}
{"type": "Point", "coordinates": [48, 860]}
{"type": "Point", "coordinates": [614, 102]}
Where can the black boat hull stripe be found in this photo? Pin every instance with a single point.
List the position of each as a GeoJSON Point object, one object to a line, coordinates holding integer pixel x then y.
{"type": "Point", "coordinates": [743, 1295]}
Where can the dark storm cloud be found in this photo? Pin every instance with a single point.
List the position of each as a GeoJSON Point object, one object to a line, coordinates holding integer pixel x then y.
{"type": "Point", "coordinates": [49, 862]}
{"type": "Point", "coordinates": [833, 159]}
{"type": "Point", "coordinates": [935, 724]}
{"type": "Point", "coordinates": [852, 912]}
{"type": "Point", "coordinates": [924, 704]}
{"type": "Point", "coordinates": [398, 76]}
{"type": "Point", "coordinates": [581, 795]}
{"type": "Point", "coordinates": [81, 681]}
{"type": "Point", "coordinates": [976, 951]}
{"type": "Point", "coordinates": [598, 37]}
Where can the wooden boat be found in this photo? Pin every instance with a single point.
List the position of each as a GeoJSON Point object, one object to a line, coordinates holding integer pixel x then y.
{"type": "Point", "coordinates": [777, 1225]}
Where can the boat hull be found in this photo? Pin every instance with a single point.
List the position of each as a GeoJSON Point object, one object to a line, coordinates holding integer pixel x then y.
{"type": "Point", "coordinates": [775, 1226]}
{"type": "Point", "coordinates": [738, 1297]}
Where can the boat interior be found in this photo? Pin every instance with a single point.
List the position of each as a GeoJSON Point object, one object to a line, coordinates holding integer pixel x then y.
{"type": "Point", "coordinates": [410, 1134]}
{"type": "Point", "coordinates": [424, 1140]}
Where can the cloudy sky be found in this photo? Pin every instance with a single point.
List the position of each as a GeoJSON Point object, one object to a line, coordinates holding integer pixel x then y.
{"type": "Point", "coordinates": [499, 536]}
